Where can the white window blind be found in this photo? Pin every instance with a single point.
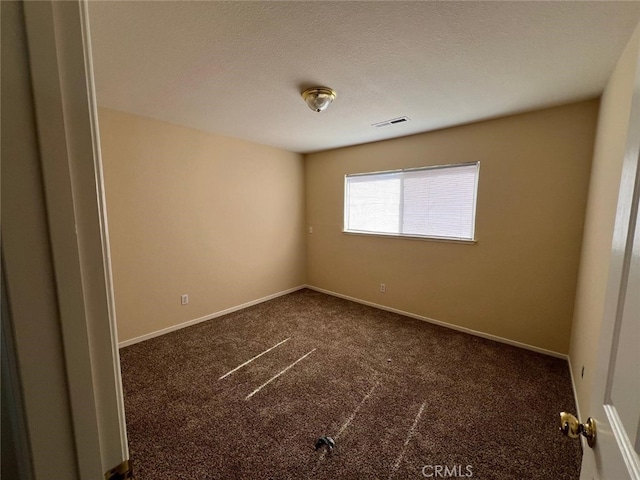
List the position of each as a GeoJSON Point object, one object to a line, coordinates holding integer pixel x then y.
{"type": "Point", "coordinates": [434, 202]}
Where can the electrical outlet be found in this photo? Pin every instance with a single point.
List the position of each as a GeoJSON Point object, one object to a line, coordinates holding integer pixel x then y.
{"type": "Point", "coordinates": [184, 299]}
{"type": "Point", "coordinates": [383, 288]}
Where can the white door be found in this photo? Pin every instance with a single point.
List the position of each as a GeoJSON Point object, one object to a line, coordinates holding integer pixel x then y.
{"type": "Point", "coordinates": [616, 391]}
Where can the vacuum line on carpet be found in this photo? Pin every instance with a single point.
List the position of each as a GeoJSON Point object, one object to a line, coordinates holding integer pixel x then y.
{"type": "Point", "coordinates": [277, 375]}
{"type": "Point", "coordinates": [407, 440]}
{"type": "Point", "coordinates": [252, 359]}
{"type": "Point", "coordinates": [343, 428]}
{"type": "Point", "coordinates": [355, 412]}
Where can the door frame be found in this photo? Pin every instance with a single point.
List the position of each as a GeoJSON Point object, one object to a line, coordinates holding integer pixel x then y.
{"type": "Point", "coordinates": [59, 47]}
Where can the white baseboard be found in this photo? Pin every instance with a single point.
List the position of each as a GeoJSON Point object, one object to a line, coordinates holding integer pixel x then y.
{"type": "Point", "coordinates": [445, 324]}
{"type": "Point", "coordinates": [195, 321]}
{"type": "Point", "coordinates": [489, 336]}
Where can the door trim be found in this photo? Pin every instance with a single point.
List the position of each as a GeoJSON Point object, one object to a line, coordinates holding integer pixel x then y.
{"type": "Point", "coordinates": [102, 213]}
{"type": "Point", "coordinates": [59, 46]}
{"type": "Point", "coordinates": [629, 455]}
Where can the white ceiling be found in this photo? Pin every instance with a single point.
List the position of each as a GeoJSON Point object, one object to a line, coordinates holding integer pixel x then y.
{"type": "Point", "coordinates": [237, 68]}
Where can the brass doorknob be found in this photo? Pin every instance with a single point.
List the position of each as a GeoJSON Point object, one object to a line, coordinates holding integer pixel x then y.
{"type": "Point", "coordinates": [572, 428]}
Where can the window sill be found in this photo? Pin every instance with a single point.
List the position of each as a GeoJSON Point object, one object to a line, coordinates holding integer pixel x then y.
{"type": "Point", "coordinates": [412, 237]}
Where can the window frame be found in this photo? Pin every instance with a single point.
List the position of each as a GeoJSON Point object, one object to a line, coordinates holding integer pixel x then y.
{"type": "Point", "coordinates": [413, 236]}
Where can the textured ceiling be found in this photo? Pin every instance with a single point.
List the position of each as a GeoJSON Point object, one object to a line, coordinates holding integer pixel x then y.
{"type": "Point", "coordinates": [237, 68]}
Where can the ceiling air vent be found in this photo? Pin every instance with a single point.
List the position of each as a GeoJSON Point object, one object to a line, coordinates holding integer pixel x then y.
{"type": "Point", "coordinates": [393, 121]}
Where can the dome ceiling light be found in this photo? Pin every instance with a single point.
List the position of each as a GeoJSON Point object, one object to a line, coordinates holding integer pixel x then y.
{"type": "Point", "coordinates": [319, 98]}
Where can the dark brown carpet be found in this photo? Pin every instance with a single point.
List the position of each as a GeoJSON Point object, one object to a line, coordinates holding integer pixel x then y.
{"type": "Point", "coordinates": [444, 398]}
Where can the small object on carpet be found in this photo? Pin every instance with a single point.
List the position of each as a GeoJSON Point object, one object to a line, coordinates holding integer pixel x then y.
{"type": "Point", "coordinates": [326, 441]}
{"type": "Point", "coordinates": [388, 360]}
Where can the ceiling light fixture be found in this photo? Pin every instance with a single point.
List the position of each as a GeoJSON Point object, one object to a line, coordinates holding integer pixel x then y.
{"type": "Point", "coordinates": [319, 98]}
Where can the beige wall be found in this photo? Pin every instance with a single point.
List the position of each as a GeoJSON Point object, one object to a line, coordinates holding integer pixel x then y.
{"type": "Point", "coordinates": [608, 155]}
{"type": "Point", "coordinates": [518, 281]}
{"type": "Point", "coordinates": [195, 213]}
